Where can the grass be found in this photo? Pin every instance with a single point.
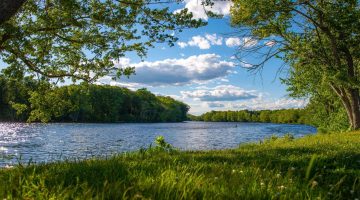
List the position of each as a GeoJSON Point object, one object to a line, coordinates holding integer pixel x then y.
{"type": "Point", "coordinates": [313, 167]}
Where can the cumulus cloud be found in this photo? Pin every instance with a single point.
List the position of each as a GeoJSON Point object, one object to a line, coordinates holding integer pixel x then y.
{"type": "Point", "coordinates": [202, 42]}
{"type": "Point", "coordinates": [214, 39]}
{"type": "Point", "coordinates": [182, 44]}
{"type": "Point", "coordinates": [271, 104]}
{"type": "Point", "coordinates": [221, 93]}
{"type": "Point", "coordinates": [233, 41]}
{"type": "Point", "coordinates": [219, 7]}
{"type": "Point", "coordinates": [180, 71]}
{"type": "Point", "coordinates": [245, 42]}
{"type": "Point", "coordinates": [252, 104]}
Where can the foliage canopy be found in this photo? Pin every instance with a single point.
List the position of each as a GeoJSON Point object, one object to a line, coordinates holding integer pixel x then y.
{"type": "Point", "coordinates": [317, 38]}
{"type": "Point", "coordinates": [82, 39]}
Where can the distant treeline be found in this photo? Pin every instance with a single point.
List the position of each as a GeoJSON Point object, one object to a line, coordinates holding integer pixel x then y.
{"type": "Point", "coordinates": [291, 116]}
{"type": "Point", "coordinates": [35, 101]}
{"type": "Point", "coordinates": [325, 115]}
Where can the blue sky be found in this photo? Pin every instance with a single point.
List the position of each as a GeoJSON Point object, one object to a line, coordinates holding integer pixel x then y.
{"type": "Point", "coordinates": [201, 71]}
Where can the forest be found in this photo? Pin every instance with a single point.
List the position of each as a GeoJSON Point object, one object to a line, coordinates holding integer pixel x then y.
{"type": "Point", "coordinates": [326, 115]}
{"type": "Point", "coordinates": [291, 116]}
{"type": "Point", "coordinates": [35, 101]}
{"type": "Point", "coordinates": [32, 100]}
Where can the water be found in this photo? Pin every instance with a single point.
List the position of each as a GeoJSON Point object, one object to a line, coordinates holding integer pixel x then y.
{"type": "Point", "coordinates": [51, 142]}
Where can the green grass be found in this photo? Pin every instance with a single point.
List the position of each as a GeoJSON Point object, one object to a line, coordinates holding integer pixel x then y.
{"type": "Point", "coordinates": [313, 167]}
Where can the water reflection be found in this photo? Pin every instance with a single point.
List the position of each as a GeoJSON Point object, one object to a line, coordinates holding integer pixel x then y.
{"type": "Point", "coordinates": [50, 142]}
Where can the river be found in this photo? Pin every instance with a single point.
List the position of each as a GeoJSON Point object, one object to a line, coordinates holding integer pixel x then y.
{"type": "Point", "coordinates": [20, 142]}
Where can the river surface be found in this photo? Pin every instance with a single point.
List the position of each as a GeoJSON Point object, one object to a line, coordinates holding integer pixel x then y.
{"type": "Point", "coordinates": [20, 142]}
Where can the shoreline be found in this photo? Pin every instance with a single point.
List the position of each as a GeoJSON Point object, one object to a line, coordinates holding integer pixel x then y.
{"type": "Point", "coordinates": [324, 166]}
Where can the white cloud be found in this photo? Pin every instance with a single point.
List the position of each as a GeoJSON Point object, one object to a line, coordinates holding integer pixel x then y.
{"type": "Point", "coordinates": [214, 39]}
{"type": "Point", "coordinates": [221, 93]}
{"type": "Point", "coordinates": [219, 7]}
{"type": "Point", "coordinates": [246, 65]}
{"type": "Point", "coordinates": [123, 61]}
{"type": "Point", "coordinates": [182, 44]}
{"type": "Point", "coordinates": [233, 41]}
{"type": "Point", "coordinates": [271, 104]}
{"type": "Point", "coordinates": [180, 71]}
{"type": "Point", "coordinates": [224, 80]}
{"type": "Point", "coordinates": [270, 43]}
{"type": "Point", "coordinates": [245, 42]}
{"type": "Point", "coordinates": [248, 42]}
{"type": "Point", "coordinates": [107, 80]}
{"type": "Point", "coordinates": [229, 97]}
{"type": "Point", "coordinates": [202, 42]}
{"type": "Point", "coordinates": [252, 104]}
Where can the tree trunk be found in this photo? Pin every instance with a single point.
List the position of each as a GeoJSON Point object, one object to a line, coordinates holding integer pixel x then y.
{"type": "Point", "coordinates": [8, 8]}
{"type": "Point", "coordinates": [351, 101]}
{"type": "Point", "coordinates": [353, 95]}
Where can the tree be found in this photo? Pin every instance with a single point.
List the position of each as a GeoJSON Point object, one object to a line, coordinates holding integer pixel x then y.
{"type": "Point", "coordinates": [82, 39]}
{"type": "Point", "coordinates": [318, 39]}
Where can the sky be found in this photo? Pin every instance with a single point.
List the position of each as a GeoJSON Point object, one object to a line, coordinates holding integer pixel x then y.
{"type": "Point", "coordinates": [201, 70]}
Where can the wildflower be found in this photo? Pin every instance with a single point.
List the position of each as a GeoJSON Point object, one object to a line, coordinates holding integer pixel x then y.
{"type": "Point", "coordinates": [233, 171]}
{"type": "Point", "coordinates": [278, 175]}
{"type": "Point", "coordinates": [282, 187]}
{"type": "Point", "coordinates": [216, 178]}
{"type": "Point", "coordinates": [314, 184]}
{"type": "Point", "coordinates": [262, 183]}
{"type": "Point", "coordinates": [241, 171]}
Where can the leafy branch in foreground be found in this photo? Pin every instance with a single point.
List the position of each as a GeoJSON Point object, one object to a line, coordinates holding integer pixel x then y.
{"type": "Point", "coordinates": [83, 39]}
{"type": "Point", "coordinates": [317, 39]}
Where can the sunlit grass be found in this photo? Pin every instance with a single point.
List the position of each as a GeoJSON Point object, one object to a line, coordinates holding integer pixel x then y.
{"type": "Point", "coordinates": [313, 167]}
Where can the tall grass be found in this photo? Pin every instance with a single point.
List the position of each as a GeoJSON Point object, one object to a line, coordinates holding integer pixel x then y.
{"type": "Point", "coordinates": [313, 167]}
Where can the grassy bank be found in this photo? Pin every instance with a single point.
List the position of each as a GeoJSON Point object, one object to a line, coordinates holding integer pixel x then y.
{"type": "Point", "coordinates": [313, 167]}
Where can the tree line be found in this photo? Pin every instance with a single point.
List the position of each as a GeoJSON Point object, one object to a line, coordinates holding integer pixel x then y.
{"type": "Point", "coordinates": [275, 116]}
{"type": "Point", "coordinates": [34, 101]}
{"type": "Point", "coordinates": [326, 115]}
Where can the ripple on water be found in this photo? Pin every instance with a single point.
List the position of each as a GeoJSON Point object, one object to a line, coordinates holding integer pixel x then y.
{"type": "Point", "coordinates": [58, 141]}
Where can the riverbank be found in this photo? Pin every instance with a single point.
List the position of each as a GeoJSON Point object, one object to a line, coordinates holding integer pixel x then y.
{"type": "Point", "coordinates": [318, 166]}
